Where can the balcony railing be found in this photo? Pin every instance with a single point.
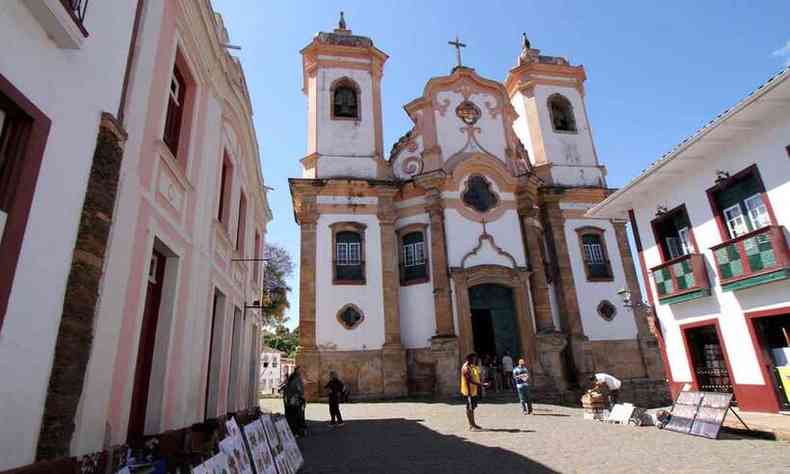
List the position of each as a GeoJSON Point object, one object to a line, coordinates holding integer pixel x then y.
{"type": "Point", "coordinates": [77, 9]}
{"type": "Point", "coordinates": [759, 257]}
{"type": "Point", "coordinates": [681, 279]}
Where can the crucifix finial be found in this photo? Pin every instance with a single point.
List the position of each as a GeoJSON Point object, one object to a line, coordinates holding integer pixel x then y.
{"type": "Point", "coordinates": [458, 45]}
{"type": "Point", "coordinates": [341, 25]}
{"type": "Point", "coordinates": [525, 41]}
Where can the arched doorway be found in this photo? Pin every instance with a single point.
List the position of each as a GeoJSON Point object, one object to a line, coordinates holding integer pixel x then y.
{"type": "Point", "coordinates": [495, 328]}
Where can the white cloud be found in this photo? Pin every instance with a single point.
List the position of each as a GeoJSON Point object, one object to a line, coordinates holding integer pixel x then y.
{"type": "Point", "coordinates": [784, 52]}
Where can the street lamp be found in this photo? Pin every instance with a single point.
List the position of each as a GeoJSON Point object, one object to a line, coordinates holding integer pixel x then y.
{"type": "Point", "coordinates": [650, 314]}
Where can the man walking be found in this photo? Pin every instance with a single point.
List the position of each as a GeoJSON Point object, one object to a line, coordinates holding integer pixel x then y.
{"type": "Point", "coordinates": [507, 368]}
{"type": "Point", "coordinates": [470, 388]}
{"type": "Point", "coordinates": [521, 377]}
{"type": "Point", "coordinates": [335, 387]}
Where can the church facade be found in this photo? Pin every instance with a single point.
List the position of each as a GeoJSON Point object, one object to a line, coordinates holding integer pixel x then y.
{"type": "Point", "coordinates": [468, 236]}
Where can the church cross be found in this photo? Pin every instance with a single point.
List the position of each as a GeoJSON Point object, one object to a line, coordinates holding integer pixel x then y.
{"type": "Point", "coordinates": [458, 45]}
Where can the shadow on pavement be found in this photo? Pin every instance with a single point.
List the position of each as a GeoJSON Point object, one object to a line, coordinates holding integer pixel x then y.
{"type": "Point", "coordinates": [400, 445]}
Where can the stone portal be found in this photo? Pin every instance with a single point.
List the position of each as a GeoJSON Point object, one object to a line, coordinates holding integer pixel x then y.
{"type": "Point", "coordinates": [494, 326]}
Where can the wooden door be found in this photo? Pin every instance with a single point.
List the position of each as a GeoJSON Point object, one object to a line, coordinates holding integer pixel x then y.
{"type": "Point", "coordinates": [145, 351]}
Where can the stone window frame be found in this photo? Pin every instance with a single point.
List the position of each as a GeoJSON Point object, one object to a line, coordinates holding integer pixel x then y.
{"type": "Point", "coordinates": [355, 308]}
{"type": "Point", "coordinates": [360, 229]}
{"type": "Point", "coordinates": [403, 232]}
{"type": "Point", "coordinates": [600, 306]}
{"type": "Point", "coordinates": [345, 81]}
{"type": "Point", "coordinates": [601, 234]}
{"type": "Point", "coordinates": [492, 188]}
{"type": "Point", "coordinates": [178, 121]}
{"type": "Point", "coordinates": [558, 96]}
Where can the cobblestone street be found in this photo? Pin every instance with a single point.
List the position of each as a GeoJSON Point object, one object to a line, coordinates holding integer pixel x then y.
{"type": "Point", "coordinates": [423, 437]}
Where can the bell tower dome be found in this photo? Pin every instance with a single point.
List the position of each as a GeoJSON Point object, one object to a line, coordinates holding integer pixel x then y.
{"type": "Point", "coordinates": [342, 82]}
{"type": "Point", "coordinates": [548, 94]}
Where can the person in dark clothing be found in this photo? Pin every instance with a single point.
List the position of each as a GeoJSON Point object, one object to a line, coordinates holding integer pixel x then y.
{"type": "Point", "coordinates": [336, 389]}
{"type": "Point", "coordinates": [293, 398]}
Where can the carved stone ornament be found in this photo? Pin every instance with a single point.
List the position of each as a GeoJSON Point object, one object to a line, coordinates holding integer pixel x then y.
{"type": "Point", "coordinates": [478, 194]}
{"type": "Point", "coordinates": [468, 112]}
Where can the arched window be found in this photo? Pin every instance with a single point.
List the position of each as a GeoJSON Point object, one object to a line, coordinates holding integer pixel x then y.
{"type": "Point", "coordinates": [345, 99]}
{"type": "Point", "coordinates": [349, 253]}
{"type": "Point", "coordinates": [413, 255]}
{"type": "Point", "coordinates": [561, 111]}
{"type": "Point", "coordinates": [593, 248]}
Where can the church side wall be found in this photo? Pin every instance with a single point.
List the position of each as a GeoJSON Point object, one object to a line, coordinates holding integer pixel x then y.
{"type": "Point", "coordinates": [452, 137]}
{"type": "Point", "coordinates": [417, 312]}
{"type": "Point", "coordinates": [521, 124]}
{"type": "Point", "coordinates": [330, 298]}
{"type": "Point", "coordinates": [590, 294]}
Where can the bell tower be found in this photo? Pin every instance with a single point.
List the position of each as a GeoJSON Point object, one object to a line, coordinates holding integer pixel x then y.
{"type": "Point", "coordinates": [342, 82]}
{"type": "Point", "coordinates": [548, 94]}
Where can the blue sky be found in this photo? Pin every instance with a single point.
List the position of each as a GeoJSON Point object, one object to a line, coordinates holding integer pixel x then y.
{"type": "Point", "coordinates": [656, 72]}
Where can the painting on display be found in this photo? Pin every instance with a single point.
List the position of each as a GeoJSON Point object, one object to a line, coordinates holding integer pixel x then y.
{"type": "Point", "coordinates": [289, 444]}
{"type": "Point", "coordinates": [232, 428]}
{"type": "Point", "coordinates": [711, 414]}
{"type": "Point", "coordinates": [259, 448]}
{"type": "Point", "coordinates": [215, 465]}
{"type": "Point", "coordinates": [238, 460]}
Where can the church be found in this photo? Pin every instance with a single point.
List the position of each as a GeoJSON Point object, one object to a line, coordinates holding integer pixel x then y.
{"type": "Point", "coordinates": [470, 235]}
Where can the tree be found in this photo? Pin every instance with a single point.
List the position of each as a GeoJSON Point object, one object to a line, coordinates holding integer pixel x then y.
{"type": "Point", "coordinates": [274, 300]}
{"type": "Point", "coordinates": [282, 339]}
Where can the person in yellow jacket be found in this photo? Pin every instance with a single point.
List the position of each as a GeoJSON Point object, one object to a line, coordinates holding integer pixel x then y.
{"type": "Point", "coordinates": [470, 388]}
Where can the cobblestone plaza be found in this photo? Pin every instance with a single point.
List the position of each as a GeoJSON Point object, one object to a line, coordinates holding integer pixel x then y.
{"type": "Point", "coordinates": [424, 437]}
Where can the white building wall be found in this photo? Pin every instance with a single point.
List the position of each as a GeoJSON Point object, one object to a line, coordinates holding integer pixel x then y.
{"type": "Point", "coordinates": [73, 96]}
{"type": "Point", "coordinates": [330, 334]}
{"type": "Point", "coordinates": [590, 294]}
{"type": "Point", "coordinates": [764, 147]}
{"type": "Point", "coordinates": [417, 310]}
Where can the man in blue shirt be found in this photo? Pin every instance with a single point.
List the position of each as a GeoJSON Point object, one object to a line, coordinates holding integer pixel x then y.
{"type": "Point", "coordinates": [521, 378]}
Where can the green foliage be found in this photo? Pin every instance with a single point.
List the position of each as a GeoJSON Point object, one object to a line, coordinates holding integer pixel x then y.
{"type": "Point", "coordinates": [282, 339]}
{"type": "Point", "coordinates": [274, 300]}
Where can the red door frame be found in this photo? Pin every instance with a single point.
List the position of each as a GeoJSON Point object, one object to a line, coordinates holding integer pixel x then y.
{"type": "Point", "coordinates": [145, 352]}
{"type": "Point", "coordinates": [684, 328]}
{"type": "Point", "coordinates": [757, 347]}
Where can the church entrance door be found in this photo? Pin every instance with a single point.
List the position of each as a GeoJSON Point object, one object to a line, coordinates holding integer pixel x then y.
{"type": "Point", "coordinates": [494, 326]}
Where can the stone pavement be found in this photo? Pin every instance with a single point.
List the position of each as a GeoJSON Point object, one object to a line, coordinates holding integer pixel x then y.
{"type": "Point", "coordinates": [428, 437]}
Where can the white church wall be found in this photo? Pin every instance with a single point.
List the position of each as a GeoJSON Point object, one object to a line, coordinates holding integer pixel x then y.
{"type": "Point", "coordinates": [567, 151]}
{"type": "Point", "coordinates": [463, 236]}
{"type": "Point", "coordinates": [417, 311]}
{"type": "Point", "coordinates": [449, 128]}
{"type": "Point", "coordinates": [330, 334]}
{"type": "Point", "coordinates": [590, 294]}
{"type": "Point", "coordinates": [346, 166]}
{"type": "Point", "coordinates": [345, 137]}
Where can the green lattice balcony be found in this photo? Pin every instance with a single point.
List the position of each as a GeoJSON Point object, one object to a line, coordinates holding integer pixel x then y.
{"type": "Point", "coordinates": [756, 258]}
{"type": "Point", "coordinates": [681, 279]}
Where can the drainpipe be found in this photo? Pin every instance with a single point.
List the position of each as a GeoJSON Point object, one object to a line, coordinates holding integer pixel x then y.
{"type": "Point", "coordinates": [130, 57]}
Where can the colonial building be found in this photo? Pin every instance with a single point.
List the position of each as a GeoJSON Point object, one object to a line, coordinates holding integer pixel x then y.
{"type": "Point", "coordinates": [271, 371]}
{"type": "Point", "coordinates": [469, 236]}
{"type": "Point", "coordinates": [130, 260]}
{"type": "Point", "coordinates": [710, 220]}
